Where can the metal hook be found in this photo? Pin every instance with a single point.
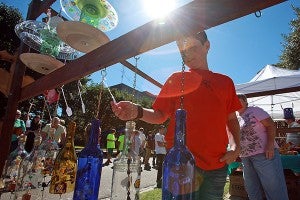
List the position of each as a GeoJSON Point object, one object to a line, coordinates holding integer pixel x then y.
{"type": "Point", "coordinates": [103, 72]}
{"type": "Point", "coordinates": [257, 14]}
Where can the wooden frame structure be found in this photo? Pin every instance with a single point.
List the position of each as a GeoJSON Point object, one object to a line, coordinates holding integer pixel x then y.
{"type": "Point", "coordinates": [193, 17]}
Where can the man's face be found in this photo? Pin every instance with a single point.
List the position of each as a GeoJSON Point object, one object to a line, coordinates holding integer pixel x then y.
{"type": "Point", "coordinates": [193, 51]}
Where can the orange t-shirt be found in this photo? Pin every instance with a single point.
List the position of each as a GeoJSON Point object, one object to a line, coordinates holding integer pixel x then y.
{"type": "Point", "coordinates": [208, 99]}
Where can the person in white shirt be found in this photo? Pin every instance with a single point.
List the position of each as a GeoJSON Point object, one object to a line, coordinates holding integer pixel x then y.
{"type": "Point", "coordinates": [143, 144]}
{"type": "Point", "coordinates": [160, 148]}
{"type": "Point", "coordinates": [54, 131]}
{"type": "Point", "coordinates": [289, 117]}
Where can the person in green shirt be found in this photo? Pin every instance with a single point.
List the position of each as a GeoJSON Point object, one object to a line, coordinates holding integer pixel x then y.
{"type": "Point", "coordinates": [121, 139]}
{"type": "Point", "coordinates": [19, 129]}
{"type": "Point", "coordinates": [110, 145]}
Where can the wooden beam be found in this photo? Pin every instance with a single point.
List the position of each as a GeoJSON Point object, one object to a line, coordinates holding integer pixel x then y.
{"type": "Point", "coordinates": [142, 74]}
{"type": "Point", "coordinates": [12, 104]}
{"type": "Point", "coordinates": [189, 19]}
{"type": "Point", "coordinates": [37, 7]}
{"type": "Point", "coordinates": [273, 92]}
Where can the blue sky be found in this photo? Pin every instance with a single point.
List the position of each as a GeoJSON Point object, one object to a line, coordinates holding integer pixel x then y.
{"type": "Point", "coordinates": [239, 48]}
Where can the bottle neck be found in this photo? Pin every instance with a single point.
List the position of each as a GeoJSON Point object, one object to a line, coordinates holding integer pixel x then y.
{"type": "Point", "coordinates": [180, 128]}
{"type": "Point", "coordinates": [94, 133]}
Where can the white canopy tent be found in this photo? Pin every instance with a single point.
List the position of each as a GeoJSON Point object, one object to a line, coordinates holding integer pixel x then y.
{"type": "Point", "coordinates": [273, 89]}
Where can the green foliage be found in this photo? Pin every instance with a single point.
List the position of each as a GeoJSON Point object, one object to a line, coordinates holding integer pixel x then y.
{"type": "Point", "coordinates": [290, 57]}
{"type": "Point", "coordinates": [9, 18]}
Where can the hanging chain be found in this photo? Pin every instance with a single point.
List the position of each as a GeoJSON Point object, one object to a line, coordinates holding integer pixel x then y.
{"type": "Point", "coordinates": [182, 80]}
{"type": "Point", "coordinates": [103, 75]}
{"type": "Point", "coordinates": [134, 82]}
{"type": "Point", "coordinates": [135, 71]}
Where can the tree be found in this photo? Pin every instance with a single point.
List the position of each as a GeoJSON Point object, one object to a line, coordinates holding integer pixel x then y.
{"type": "Point", "coordinates": [290, 57]}
{"type": "Point", "coordinates": [9, 18]}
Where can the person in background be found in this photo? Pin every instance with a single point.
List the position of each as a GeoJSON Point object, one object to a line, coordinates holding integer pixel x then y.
{"type": "Point", "coordinates": [160, 149]}
{"type": "Point", "coordinates": [293, 138]}
{"type": "Point", "coordinates": [19, 130]}
{"type": "Point", "coordinates": [110, 145]}
{"type": "Point", "coordinates": [150, 145]}
{"type": "Point", "coordinates": [210, 107]}
{"type": "Point", "coordinates": [54, 131]}
{"type": "Point", "coordinates": [262, 167]}
{"type": "Point", "coordinates": [33, 129]}
{"type": "Point", "coordinates": [121, 140]}
{"type": "Point", "coordinates": [135, 142]}
{"type": "Point", "coordinates": [143, 144]}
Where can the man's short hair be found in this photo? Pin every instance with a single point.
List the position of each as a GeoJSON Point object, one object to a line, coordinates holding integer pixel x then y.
{"type": "Point", "coordinates": [201, 36]}
{"type": "Point", "coordinates": [183, 43]}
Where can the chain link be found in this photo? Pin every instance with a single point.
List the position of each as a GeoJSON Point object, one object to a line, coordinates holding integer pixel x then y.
{"type": "Point", "coordinates": [182, 84]}
{"type": "Point", "coordinates": [134, 83]}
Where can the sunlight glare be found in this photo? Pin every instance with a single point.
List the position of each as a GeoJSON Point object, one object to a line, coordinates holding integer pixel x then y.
{"type": "Point", "coordinates": [158, 8]}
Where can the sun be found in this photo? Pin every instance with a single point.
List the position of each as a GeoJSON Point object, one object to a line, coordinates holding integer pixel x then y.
{"type": "Point", "coordinates": [158, 8]}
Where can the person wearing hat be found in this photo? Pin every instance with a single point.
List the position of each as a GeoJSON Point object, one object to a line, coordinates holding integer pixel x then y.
{"type": "Point", "coordinates": [210, 102]}
{"type": "Point", "coordinates": [262, 167]}
{"type": "Point", "coordinates": [289, 117]}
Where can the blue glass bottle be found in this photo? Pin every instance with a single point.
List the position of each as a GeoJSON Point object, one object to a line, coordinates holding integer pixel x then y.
{"type": "Point", "coordinates": [89, 167]}
{"type": "Point", "coordinates": [179, 165]}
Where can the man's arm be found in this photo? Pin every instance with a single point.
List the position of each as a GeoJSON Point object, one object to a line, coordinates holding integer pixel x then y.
{"type": "Point", "coordinates": [234, 129]}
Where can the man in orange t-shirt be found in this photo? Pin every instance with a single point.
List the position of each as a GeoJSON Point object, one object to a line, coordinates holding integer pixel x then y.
{"type": "Point", "coordinates": [210, 101]}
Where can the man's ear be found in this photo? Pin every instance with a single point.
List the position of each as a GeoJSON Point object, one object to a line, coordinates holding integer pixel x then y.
{"type": "Point", "coordinates": [207, 45]}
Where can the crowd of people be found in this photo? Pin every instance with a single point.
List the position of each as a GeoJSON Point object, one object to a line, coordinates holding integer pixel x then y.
{"type": "Point", "coordinates": [28, 128]}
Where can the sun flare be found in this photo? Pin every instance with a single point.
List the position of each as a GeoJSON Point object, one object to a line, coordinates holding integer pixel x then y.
{"type": "Point", "coordinates": [158, 8]}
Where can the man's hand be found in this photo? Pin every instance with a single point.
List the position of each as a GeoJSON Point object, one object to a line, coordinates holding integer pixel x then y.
{"type": "Point", "coordinates": [125, 110]}
{"type": "Point", "coordinates": [230, 156]}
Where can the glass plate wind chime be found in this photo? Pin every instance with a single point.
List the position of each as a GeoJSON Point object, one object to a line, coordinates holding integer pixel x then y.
{"type": "Point", "coordinates": [98, 13]}
{"type": "Point", "coordinates": [179, 163]}
{"type": "Point", "coordinates": [42, 37]}
{"type": "Point", "coordinates": [127, 167]}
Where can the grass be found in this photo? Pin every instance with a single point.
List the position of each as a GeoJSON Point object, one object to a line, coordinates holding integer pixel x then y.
{"type": "Point", "coordinates": [151, 195]}
{"type": "Point", "coordinates": [155, 194]}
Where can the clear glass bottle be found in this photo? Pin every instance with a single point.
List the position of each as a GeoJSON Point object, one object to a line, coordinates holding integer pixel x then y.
{"type": "Point", "coordinates": [65, 165]}
{"type": "Point", "coordinates": [12, 165]}
{"type": "Point", "coordinates": [127, 169]}
{"type": "Point", "coordinates": [28, 174]}
{"type": "Point", "coordinates": [179, 164]}
{"type": "Point", "coordinates": [89, 167]}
